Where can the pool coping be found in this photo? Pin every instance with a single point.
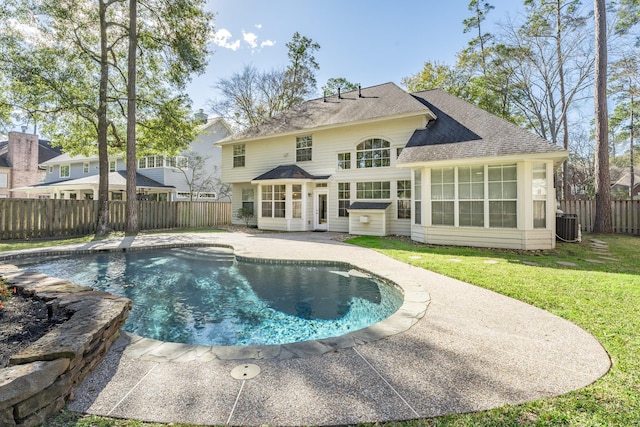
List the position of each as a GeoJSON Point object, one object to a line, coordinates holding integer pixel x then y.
{"type": "Point", "coordinates": [413, 308]}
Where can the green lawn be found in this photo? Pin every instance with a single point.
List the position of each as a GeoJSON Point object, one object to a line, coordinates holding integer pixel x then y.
{"type": "Point", "coordinates": [604, 299]}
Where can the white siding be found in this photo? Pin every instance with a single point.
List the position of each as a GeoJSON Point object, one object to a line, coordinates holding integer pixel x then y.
{"type": "Point", "coordinates": [266, 154]}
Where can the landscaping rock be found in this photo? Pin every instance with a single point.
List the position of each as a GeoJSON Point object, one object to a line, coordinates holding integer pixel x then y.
{"type": "Point", "coordinates": [18, 383]}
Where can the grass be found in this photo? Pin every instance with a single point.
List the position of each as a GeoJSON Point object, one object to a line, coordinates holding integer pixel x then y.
{"type": "Point", "coordinates": [603, 299]}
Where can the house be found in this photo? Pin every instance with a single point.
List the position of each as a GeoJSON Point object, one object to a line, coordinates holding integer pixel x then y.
{"type": "Point", "coordinates": [159, 178]}
{"type": "Point", "coordinates": [20, 157]}
{"type": "Point", "coordinates": [381, 161]}
{"type": "Point", "coordinates": [620, 187]}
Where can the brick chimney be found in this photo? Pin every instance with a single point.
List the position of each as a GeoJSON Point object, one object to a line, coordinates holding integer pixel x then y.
{"type": "Point", "coordinates": [22, 156]}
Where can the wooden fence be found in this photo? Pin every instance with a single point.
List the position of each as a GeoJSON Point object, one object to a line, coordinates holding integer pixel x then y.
{"type": "Point", "coordinates": [625, 214]}
{"type": "Point", "coordinates": [40, 218]}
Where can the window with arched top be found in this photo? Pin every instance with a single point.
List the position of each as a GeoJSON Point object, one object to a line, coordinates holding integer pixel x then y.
{"type": "Point", "coordinates": [373, 153]}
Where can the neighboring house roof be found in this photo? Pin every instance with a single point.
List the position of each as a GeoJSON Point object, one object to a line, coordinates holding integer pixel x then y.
{"type": "Point", "coordinates": [46, 151]}
{"type": "Point", "coordinates": [463, 130]}
{"type": "Point", "coordinates": [68, 158]}
{"type": "Point", "coordinates": [3, 161]}
{"type": "Point", "coordinates": [213, 121]}
{"type": "Point", "coordinates": [625, 181]}
{"type": "Point", "coordinates": [369, 206]}
{"type": "Point", "coordinates": [376, 102]}
{"type": "Point", "coordinates": [116, 179]}
{"type": "Point", "coordinates": [287, 172]}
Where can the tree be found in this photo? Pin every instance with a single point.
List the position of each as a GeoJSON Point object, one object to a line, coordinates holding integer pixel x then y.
{"type": "Point", "coordinates": [300, 78]}
{"type": "Point", "coordinates": [197, 177]}
{"type": "Point", "coordinates": [79, 93]}
{"type": "Point", "coordinates": [250, 96]}
{"type": "Point", "coordinates": [552, 65]}
{"type": "Point", "coordinates": [435, 76]}
{"type": "Point", "coordinates": [602, 223]}
{"type": "Point", "coordinates": [625, 86]}
{"type": "Point", "coordinates": [338, 83]}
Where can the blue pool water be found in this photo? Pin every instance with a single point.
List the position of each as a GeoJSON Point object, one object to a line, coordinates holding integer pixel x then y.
{"type": "Point", "coordinates": [205, 296]}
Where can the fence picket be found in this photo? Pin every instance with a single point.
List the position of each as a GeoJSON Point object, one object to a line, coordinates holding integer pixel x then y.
{"type": "Point", "coordinates": [42, 218]}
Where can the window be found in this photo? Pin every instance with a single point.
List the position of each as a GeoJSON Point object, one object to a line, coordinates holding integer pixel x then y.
{"type": "Point", "coordinates": [238, 156]}
{"type": "Point", "coordinates": [142, 163]}
{"type": "Point", "coordinates": [398, 151]}
{"type": "Point", "coordinates": [539, 183]}
{"type": "Point", "coordinates": [373, 190]}
{"type": "Point", "coordinates": [303, 148]}
{"type": "Point", "coordinates": [372, 153]}
{"type": "Point", "coordinates": [4, 180]}
{"type": "Point", "coordinates": [344, 161]}
{"type": "Point", "coordinates": [296, 200]}
{"type": "Point", "coordinates": [471, 196]}
{"type": "Point", "coordinates": [273, 201]}
{"type": "Point", "coordinates": [248, 198]}
{"type": "Point", "coordinates": [85, 167]}
{"type": "Point", "coordinates": [65, 171]}
{"type": "Point", "coordinates": [50, 168]}
{"type": "Point", "coordinates": [442, 196]}
{"type": "Point", "coordinates": [344, 198]}
{"type": "Point", "coordinates": [403, 192]}
{"type": "Point", "coordinates": [503, 203]}
{"type": "Point", "coordinates": [417, 191]}
{"type": "Point", "coordinates": [112, 165]}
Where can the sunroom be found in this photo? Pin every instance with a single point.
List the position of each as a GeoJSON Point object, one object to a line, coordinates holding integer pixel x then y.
{"type": "Point", "coordinates": [290, 199]}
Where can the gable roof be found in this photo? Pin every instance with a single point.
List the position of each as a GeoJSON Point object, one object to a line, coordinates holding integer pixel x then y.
{"type": "Point", "coordinates": [463, 131]}
{"type": "Point", "coordinates": [116, 179]}
{"type": "Point", "coordinates": [385, 100]}
{"type": "Point", "coordinates": [287, 172]}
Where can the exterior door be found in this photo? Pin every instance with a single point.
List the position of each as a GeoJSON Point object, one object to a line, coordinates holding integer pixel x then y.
{"type": "Point", "coordinates": [320, 210]}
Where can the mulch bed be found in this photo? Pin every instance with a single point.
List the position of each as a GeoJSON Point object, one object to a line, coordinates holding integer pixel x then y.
{"type": "Point", "coordinates": [23, 320]}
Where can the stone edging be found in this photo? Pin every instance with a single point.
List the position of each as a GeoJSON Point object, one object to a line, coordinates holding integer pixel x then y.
{"type": "Point", "coordinates": [40, 379]}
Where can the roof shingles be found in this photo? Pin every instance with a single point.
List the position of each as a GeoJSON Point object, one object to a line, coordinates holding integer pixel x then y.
{"type": "Point", "coordinates": [463, 130]}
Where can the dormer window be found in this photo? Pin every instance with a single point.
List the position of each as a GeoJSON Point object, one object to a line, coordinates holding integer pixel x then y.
{"type": "Point", "coordinates": [373, 153]}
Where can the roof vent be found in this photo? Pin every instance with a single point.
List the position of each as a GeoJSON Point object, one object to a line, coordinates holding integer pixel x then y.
{"type": "Point", "coordinates": [339, 96]}
{"type": "Point", "coordinates": [359, 91]}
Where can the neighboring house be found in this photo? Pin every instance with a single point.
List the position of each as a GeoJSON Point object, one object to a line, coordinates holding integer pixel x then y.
{"type": "Point", "coordinates": [159, 178]}
{"type": "Point", "coordinates": [620, 188]}
{"type": "Point", "coordinates": [20, 156]}
{"type": "Point", "coordinates": [381, 161]}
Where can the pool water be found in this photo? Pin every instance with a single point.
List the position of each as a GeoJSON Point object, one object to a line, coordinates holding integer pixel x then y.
{"type": "Point", "coordinates": [206, 296]}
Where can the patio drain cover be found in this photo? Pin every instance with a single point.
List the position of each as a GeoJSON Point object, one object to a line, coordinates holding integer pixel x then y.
{"type": "Point", "coordinates": [245, 372]}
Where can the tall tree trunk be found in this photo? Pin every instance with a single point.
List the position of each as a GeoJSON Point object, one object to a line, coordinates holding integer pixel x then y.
{"type": "Point", "coordinates": [566, 193]}
{"type": "Point", "coordinates": [103, 155]}
{"type": "Point", "coordinates": [132, 202]}
{"type": "Point", "coordinates": [632, 171]}
{"type": "Point", "coordinates": [602, 222]}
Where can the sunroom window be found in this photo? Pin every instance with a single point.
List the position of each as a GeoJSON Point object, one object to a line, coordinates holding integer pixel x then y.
{"type": "Point", "coordinates": [503, 196]}
{"type": "Point", "coordinates": [442, 196]}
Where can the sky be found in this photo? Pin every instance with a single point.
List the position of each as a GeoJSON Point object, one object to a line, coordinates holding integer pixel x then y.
{"type": "Point", "coordinates": [369, 42]}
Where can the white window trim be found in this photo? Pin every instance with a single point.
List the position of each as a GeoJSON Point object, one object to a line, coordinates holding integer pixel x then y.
{"type": "Point", "coordinates": [68, 166]}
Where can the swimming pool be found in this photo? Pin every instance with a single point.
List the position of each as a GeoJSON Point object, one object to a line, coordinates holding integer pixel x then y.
{"type": "Point", "coordinates": [206, 296]}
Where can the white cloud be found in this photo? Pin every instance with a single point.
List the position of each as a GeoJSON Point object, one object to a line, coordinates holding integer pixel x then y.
{"type": "Point", "coordinates": [258, 26]}
{"type": "Point", "coordinates": [223, 37]}
{"type": "Point", "coordinates": [267, 43]}
{"type": "Point", "coordinates": [251, 39]}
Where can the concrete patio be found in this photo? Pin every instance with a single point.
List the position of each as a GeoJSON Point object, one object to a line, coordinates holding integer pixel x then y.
{"type": "Point", "coordinates": [472, 350]}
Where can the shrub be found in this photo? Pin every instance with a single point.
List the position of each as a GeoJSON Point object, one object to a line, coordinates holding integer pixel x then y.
{"type": "Point", "coordinates": [245, 214]}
